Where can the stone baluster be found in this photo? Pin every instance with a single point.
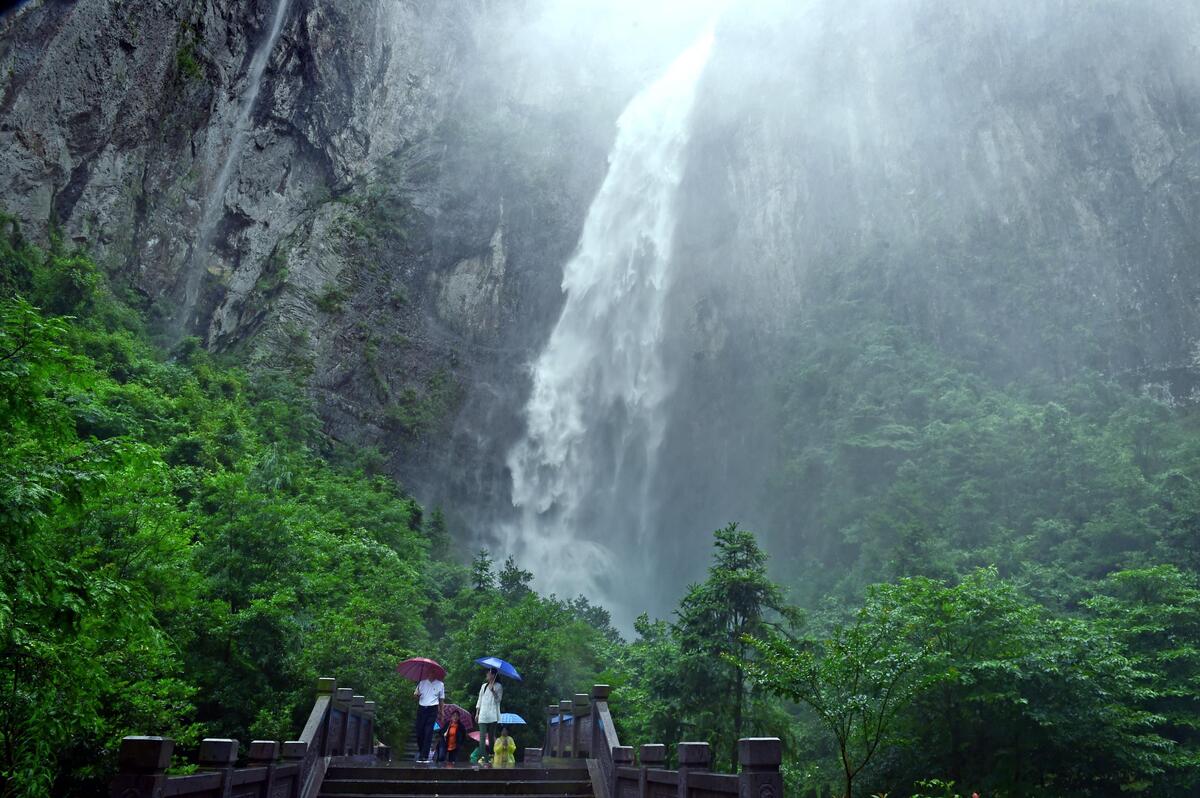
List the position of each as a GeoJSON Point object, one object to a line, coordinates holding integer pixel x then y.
{"type": "Point", "coordinates": [579, 712]}
{"type": "Point", "coordinates": [692, 757]}
{"type": "Point", "coordinates": [219, 755]}
{"type": "Point", "coordinates": [294, 753]}
{"type": "Point", "coordinates": [369, 733]}
{"type": "Point", "coordinates": [142, 763]}
{"type": "Point", "coordinates": [564, 709]}
{"type": "Point", "coordinates": [327, 686]}
{"type": "Point", "coordinates": [551, 730]}
{"type": "Point", "coordinates": [343, 698]}
{"type": "Point", "coordinates": [262, 754]}
{"type": "Point", "coordinates": [650, 757]}
{"type": "Point", "coordinates": [622, 757]}
{"type": "Point", "coordinates": [357, 707]}
{"type": "Point", "coordinates": [760, 758]}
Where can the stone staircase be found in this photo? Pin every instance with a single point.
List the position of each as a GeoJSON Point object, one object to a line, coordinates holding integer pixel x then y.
{"type": "Point", "coordinates": [404, 780]}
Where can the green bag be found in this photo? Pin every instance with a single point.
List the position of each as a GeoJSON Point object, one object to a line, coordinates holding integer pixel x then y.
{"type": "Point", "coordinates": [474, 756]}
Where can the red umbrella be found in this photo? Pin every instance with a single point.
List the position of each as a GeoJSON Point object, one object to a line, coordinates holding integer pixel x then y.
{"type": "Point", "coordinates": [464, 717]}
{"type": "Point", "coordinates": [419, 668]}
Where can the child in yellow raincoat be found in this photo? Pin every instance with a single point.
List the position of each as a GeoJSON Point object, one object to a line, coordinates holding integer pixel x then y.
{"type": "Point", "coordinates": [505, 749]}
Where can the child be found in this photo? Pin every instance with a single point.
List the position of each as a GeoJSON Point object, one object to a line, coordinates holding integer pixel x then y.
{"type": "Point", "coordinates": [506, 749]}
{"type": "Point", "coordinates": [453, 734]}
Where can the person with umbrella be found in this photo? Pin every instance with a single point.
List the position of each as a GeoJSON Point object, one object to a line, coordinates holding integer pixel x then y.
{"type": "Point", "coordinates": [430, 693]}
{"type": "Point", "coordinates": [487, 707]}
{"type": "Point", "coordinates": [487, 713]}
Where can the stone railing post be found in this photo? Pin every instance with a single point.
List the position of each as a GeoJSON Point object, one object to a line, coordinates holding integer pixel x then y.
{"type": "Point", "coordinates": [343, 699]}
{"type": "Point", "coordinates": [369, 746]}
{"type": "Point", "coordinates": [622, 757]}
{"type": "Point", "coordinates": [564, 739]}
{"type": "Point", "coordinates": [143, 763]}
{"type": "Point", "coordinates": [692, 757]}
{"type": "Point", "coordinates": [358, 707]}
{"type": "Point", "coordinates": [294, 752]}
{"type": "Point", "coordinates": [760, 758]}
{"type": "Point", "coordinates": [551, 730]}
{"type": "Point", "coordinates": [219, 755]}
{"type": "Point", "coordinates": [600, 693]}
{"type": "Point", "coordinates": [533, 756]}
{"type": "Point", "coordinates": [327, 686]}
{"type": "Point", "coordinates": [650, 757]}
{"type": "Point", "coordinates": [262, 754]}
{"type": "Point", "coordinates": [578, 712]}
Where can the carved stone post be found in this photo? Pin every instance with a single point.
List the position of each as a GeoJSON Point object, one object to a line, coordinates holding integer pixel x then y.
{"type": "Point", "coordinates": [327, 686]}
{"type": "Point", "coordinates": [578, 712]}
{"type": "Point", "coordinates": [651, 757]}
{"type": "Point", "coordinates": [622, 756]}
{"type": "Point", "coordinates": [533, 756]}
{"type": "Point", "coordinates": [600, 693]}
{"type": "Point", "coordinates": [692, 757]}
{"type": "Point", "coordinates": [357, 709]}
{"type": "Point", "coordinates": [369, 736]}
{"type": "Point", "coordinates": [294, 752]}
{"type": "Point", "coordinates": [343, 698]}
{"type": "Point", "coordinates": [262, 754]}
{"type": "Point", "coordinates": [551, 730]}
{"type": "Point", "coordinates": [760, 758]}
{"type": "Point", "coordinates": [143, 763]}
{"type": "Point", "coordinates": [219, 755]}
{"type": "Point", "coordinates": [564, 739]}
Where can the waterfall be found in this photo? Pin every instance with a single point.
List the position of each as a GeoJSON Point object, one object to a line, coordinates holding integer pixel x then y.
{"type": "Point", "coordinates": [214, 201]}
{"type": "Point", "coordinates": [595, 417]}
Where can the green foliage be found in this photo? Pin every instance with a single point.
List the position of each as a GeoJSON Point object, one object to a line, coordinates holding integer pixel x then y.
{"type": "Point", "coordinates": [179, 557]}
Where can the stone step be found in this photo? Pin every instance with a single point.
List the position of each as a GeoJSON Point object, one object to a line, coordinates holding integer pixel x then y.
{"type": "Point", "coordinates": [461, 771]}
{"type": "Point", "coordinates": [436, 795]}
{"type": "Point", "coordinates": [461, 787]}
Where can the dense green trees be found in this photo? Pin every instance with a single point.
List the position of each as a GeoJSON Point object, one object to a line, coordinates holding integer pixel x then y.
{"type": "Point", "coordinates": [999, 578]}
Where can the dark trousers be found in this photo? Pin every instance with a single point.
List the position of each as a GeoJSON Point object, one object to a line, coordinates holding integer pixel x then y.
{"type": "Point", "coordinates": [425, 718]}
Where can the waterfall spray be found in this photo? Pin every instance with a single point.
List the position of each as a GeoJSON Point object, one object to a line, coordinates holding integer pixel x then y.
{"type": "Point", "coordinates": [595, 418]}
{"type": "Point", "coordinates": [214, 201]}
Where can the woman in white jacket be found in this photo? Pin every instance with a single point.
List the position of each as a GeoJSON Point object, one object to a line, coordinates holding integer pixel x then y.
{"type": "Point", "coordinates": [487, 714]}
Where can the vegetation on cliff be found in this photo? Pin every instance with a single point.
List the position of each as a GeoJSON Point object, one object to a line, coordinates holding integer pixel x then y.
{"type": "Point", "coordinates": [1015, 611]}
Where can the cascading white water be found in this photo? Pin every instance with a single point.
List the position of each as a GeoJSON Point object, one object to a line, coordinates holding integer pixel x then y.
{"type": "Point", "coordinates": [214, 201]}
{"type": "Point", "coordinates": [595, 416]}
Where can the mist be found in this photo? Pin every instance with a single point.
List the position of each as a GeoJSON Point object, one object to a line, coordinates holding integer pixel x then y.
{"type": "Point", "coordinates": [930, 139]}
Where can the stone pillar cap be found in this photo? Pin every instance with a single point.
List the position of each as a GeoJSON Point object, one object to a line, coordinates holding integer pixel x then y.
{"type": "Point", "coordinates": [622, 754]}
{"type": "Point", "coordinates": [370, 706]}
{"type": "Point", "coordinates": [326, 684]}
{"type": "Point", "coordinates": [295, 749]}
{"type": "Point", "coordinates": [359, 700]}
{"type": "Point", "coordinates": [760, 752]}
{"type": "Point", "coordinates": [693, 755]}
{"type": "Point", "coordinates": [344, 694]}
{"type": "Point", "coordinates": [600, 692]}
{"type": "Point", "coordinates": [263, 751]}
{"type": "Point", "coordinates": [653, 754]}
{"type": "Point", "coordinates": [218, 752]}
{"type": "Point", "coordinates": [145, 754]}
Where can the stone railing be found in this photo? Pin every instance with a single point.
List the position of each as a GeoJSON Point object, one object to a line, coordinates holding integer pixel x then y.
{"type": "Point", "coordinates": [582, 728]}
{"type": "Point", "coordinates": [341, 724]}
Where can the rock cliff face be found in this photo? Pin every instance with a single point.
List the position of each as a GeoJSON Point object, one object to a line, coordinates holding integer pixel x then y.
{"type": "Point", "coordinates": [389, 225]}
{"type": "Point", "coordinates": [414, 175]}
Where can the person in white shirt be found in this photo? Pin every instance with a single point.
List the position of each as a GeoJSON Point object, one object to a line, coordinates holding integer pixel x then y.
{"type": "Point", "coordinates": [487, 713]}
{"type": "Point", "coordinates": [430, 694]}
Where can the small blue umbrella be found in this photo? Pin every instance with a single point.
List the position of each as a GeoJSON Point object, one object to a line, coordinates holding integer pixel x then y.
{"type": "Point", "coordinates": [511, 719]}
{"type": "Point", "coordinates": [500, 665]}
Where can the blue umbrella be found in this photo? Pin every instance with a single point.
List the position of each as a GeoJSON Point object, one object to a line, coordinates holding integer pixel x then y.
{"type": "Point", "coordinates": [500, 665]}
{"type": "Point", "coordinates": [511, 719]}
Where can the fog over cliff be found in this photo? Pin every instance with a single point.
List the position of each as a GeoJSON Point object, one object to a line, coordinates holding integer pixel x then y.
{"type": "Point", "coordinates": [551, 258]}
